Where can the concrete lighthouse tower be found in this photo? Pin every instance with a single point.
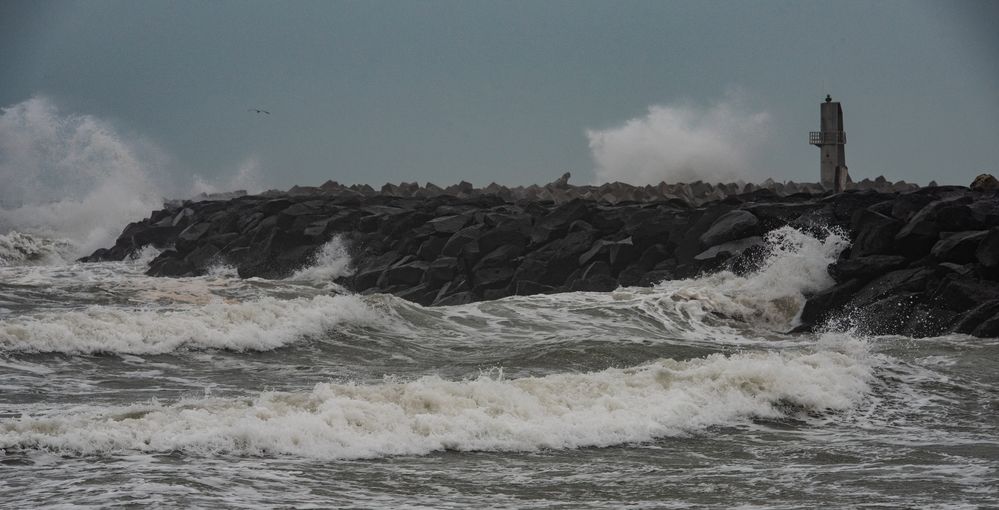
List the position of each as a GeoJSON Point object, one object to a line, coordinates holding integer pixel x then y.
{"type": "Point", "coordinates": [831, 141]}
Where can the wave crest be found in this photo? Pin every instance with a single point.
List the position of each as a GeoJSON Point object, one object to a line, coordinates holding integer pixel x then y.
{"type": "Point", "coordinates": [665, 398]}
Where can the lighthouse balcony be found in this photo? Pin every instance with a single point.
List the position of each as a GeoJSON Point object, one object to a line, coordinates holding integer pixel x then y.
{"type": "Point", "coordinates": [827, 137]}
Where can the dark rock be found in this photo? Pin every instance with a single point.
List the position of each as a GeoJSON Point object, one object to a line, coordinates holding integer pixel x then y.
{"type": "Point", "coordinates": [963, 294]}
{"type": "Point", "coordinates": [866, 267]}
{"type": "Point", "coordinates": [915, 239]}
{"type": "Point", "coordinates": [924, 321]}
{"type": "Point", "coordinates": [631, 275]}
{"type": "Point", "coordinates": [167, 264]}
{"type": "Point", "coordinates": [597, 283]}
{"type": "Point", "coordinates": [985, 182]}
{"type": "Point", "coordinates": [449, 224]}
{"type": "Point", "coordinates": [987, 253]}
{"type": "Point", "coordinates": [502, 256]}
{"type": "Point", "coordinates": [458, 298]}
{"type": "Point", "coordinates": [421, 294]}
{"type": "Point", "coordinates": [957, 217]}
{"type": "Point", "coordinates": [529, 288]}
{"type": "Point", "coordinates": [989, 328]}
{"type": "Point", "coordinates": [492, 277]}
{"type": "Point", "coordinates": [655, 277]}
{"type": "Point", "coordinates": [442, 270]}
{"type": "Point", "coordinates": [496, 237]}
{"type": "Point", "coordinates": [408, 274]}
{"type": "Point", "coordinates": [821, 306]}
{"type": "Point", "coordinates": [431, 248]}
{"type": "Point", "coordinates": [188, 239]}
{"type": "Point", "coordinates": [959, 247]}
{"type": "Point", "coordinates": [203, 257]}
{"type": "Point", "coordinates": [887, 316]}
{"type": "Point", "coordinates": [893, 283]}
{"type": "Point", "coordinates": [875, 234]}
{"type": "Point", "coordinates": [976, 316]}
{"type": "Point", "coordinates": [457, 242]}
{"type": "Point", "coordinates": [729, 249]}
{"type": "Point", "coordinates": [561, 256]}
{"type": "Point", "coordinates": [730, 226]}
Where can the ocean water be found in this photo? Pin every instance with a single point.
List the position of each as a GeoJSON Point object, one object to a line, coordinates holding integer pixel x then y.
{"type": "Point", "coordinates": [120, 390]}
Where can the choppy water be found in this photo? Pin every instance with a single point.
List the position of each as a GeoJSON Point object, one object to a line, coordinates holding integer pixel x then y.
{"type": "Point", "coordinates": [117, 389]}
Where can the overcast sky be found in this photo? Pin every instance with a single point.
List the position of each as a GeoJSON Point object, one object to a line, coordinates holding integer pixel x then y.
{"type": "Point", "coordinates": [511, 92]}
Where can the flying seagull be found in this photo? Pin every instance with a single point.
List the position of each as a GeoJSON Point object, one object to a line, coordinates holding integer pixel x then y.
{"type": "Point", "coordinates": [258, 111]}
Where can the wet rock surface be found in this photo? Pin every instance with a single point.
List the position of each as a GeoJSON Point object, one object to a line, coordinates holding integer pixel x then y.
{"type": "Point", "coordinates": [926, 257]}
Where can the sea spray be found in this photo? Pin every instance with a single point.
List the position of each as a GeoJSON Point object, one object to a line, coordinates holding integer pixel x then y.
{"type": "Point", "coordinates": [72, 177]}
{"type": "Point", "coordinates": [17, 248]}
{"type": "Point", "coordinates": [659, 399]}
{"type": "Point", "coordinates": [332, 261]}
{"type": "Point", "coordinates": [795, 265]}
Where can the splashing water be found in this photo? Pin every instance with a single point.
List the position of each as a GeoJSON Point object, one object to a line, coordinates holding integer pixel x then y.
{"type": "Point", "coordinates": [795, 266]}
{"type": "Point", "coordinates": [71, 177]}
{"type": "Point", "coordinates": [332, 261]}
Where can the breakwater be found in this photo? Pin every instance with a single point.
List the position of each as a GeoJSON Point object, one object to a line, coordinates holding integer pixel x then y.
{"type": "Point", "coordinates": [922, 262]}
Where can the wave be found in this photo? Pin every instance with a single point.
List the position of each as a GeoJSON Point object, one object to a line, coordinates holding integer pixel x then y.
{"type": "Point", "coordinates": [332, 261]}
{"type": "Point", "coordinates": [17, 248]}
{"type": "Point", "coordinates": [772, 297]}
{"type": "Point", "coordinates": [263, 324]}
{"type": "Point", "coordinates": [72, 177]}
{"type": "Point", "coordinates": [660, 399]}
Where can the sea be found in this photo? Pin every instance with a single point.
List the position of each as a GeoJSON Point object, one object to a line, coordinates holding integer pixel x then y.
{"type": "Point", "coordinates": [119, 390]}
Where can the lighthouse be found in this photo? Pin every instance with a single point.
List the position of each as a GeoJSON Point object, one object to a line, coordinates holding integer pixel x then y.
{"type": "Point", "coordinates": [831, 141]}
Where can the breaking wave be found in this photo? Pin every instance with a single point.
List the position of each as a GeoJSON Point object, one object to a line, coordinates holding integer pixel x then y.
{"type": "Point", "coordinates": [660, 399]}
{"type": "Point", "coordinates": [795, 265]}
{"type": "Point", "coordinates": [71, 177]}
{"type": "Point", "coordinates": [331, 262]}
{"type": "Point", "coordinates": [263, 324]}
{"type": "Point", "coordinates": [18, 249]}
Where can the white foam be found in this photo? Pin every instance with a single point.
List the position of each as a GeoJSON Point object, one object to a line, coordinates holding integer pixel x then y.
{"type": "Point", "coordinates": [490, 413]}
{"type": "Point", "coordinates": [262, 324]}
{"type": "Point", "coordinates": [71, 176]}
{"type": "Point", "coordinates": [331, 262]}
{"type": "Point", "coordinates": [17, 248]}
{"type": "Point", "coordinates": [774, 295]}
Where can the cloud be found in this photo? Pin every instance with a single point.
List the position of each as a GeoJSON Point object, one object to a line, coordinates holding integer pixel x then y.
{"type": "Point", "coordinates": [681, 143]}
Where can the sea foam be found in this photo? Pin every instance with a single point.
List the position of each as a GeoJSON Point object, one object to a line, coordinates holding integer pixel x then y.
{"type": "Point", "coordinates": [795, 265]}
{"type": "Point", "coordinates": [262, 324]}
{"type": "Point", "coordinates": [660, 399]}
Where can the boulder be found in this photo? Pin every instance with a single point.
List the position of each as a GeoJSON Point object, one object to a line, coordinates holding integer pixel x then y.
{"type": "Point", "coordinates": [875, 234]}
{"type": "Point", "coordinates": [865, 267]}
{"type": "Point", "coordinates": [730, 226]}
{"type": "Point", "coordinates": [457, 242]}
{"type": "Point", "coordinates": [959, 247]}
{"type": "Point", "coordinates": [168, 264]}
{"type": "Point", "coordinates": [729, 249]}
{"type": "Point", "coordinates": [821, 306]}
{"type": "Point", "coordinates": [491, 277]}
{"type": "Point", "coordinates": [976, 316]}
{"type": "Point", "coordinates": [989, 328]}
{"type": "Point", "coordinates": [985, 182]}
{"type": "Point", "coordinates": [987, 253]}
{"type": "Point", "coordinates": [963, 294]}
{"type": "Point", "coordinates": [449, 224]}
{"type": "Point", "coordinates": [893, 283]}
{"type": "Point", "coordinates": [408, 274]}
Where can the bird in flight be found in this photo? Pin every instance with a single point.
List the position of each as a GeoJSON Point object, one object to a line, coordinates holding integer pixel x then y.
{"type": "Point", "coordinates": [258, 111]}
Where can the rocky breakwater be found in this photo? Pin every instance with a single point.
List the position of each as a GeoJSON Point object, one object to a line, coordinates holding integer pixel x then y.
{"type": "Point", "coordinates": [922, 262]}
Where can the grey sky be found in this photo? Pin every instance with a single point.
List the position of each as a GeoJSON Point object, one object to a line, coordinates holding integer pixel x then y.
{"type": "Point", "coordinates": [369, 92]}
